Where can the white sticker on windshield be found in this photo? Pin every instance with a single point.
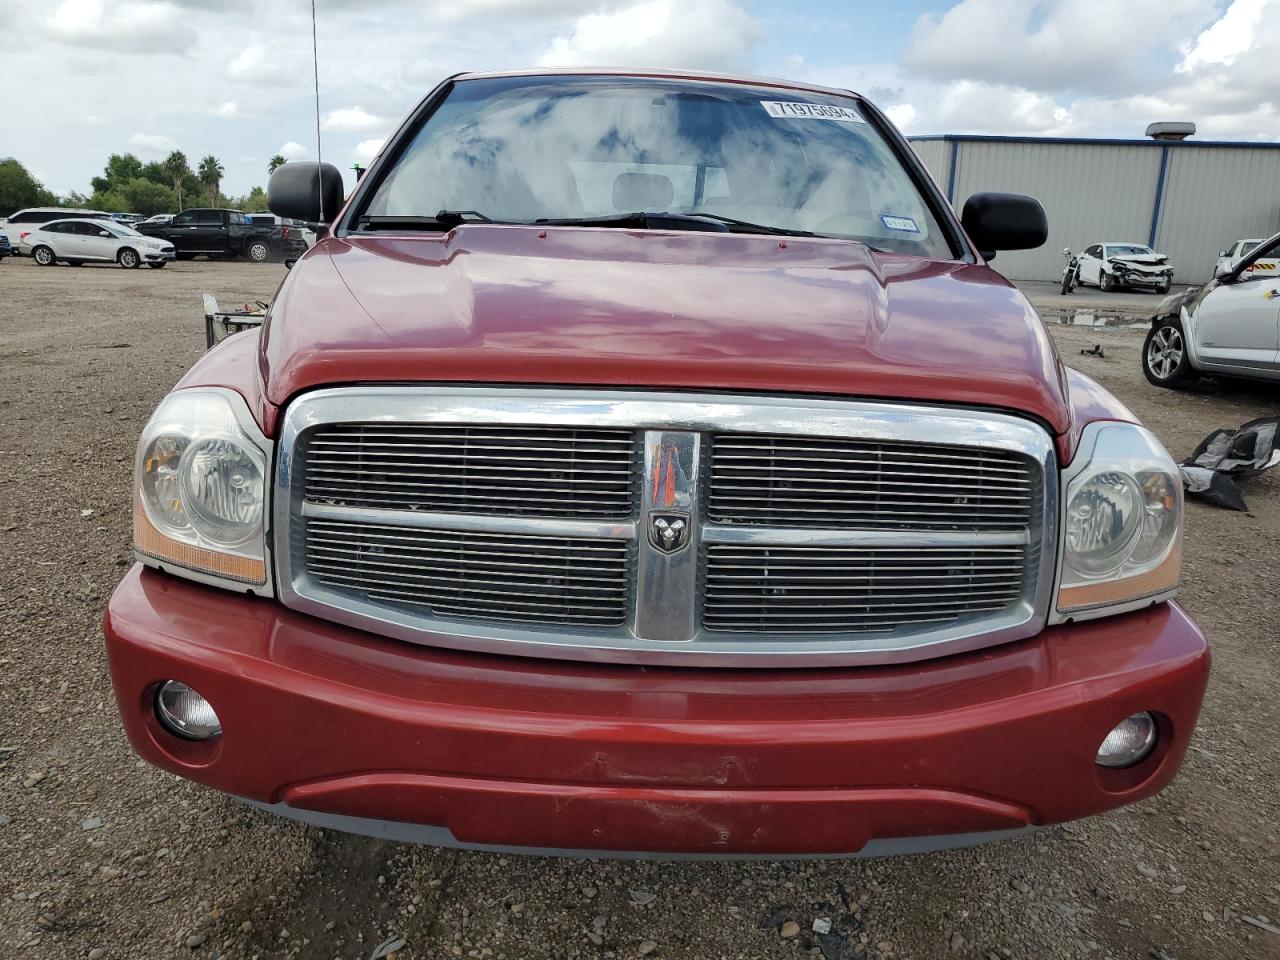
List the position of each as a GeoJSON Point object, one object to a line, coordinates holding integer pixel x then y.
{"type": "Point", "coordinates": [791, 110]}
{"type": "Point", "coordinates": [899, 223]}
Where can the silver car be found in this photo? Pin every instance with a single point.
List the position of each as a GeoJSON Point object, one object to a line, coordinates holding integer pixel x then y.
{"type": "Point", "coordinates": [1229, 327]}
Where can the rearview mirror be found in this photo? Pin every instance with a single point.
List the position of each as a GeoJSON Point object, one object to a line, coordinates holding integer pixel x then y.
{"type": "Point", "coordinates": [305, 191]}
{"type": "Point", "coordinates": [1004, 221]}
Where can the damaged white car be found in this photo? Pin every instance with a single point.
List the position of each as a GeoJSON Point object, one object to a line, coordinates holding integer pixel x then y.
{"type": "Point", "coordinates": [1228, 327]}
{"type": "Point", "coordinates": [1110, 266]}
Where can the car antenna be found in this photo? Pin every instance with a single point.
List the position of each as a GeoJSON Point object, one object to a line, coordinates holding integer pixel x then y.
{"type": "Point", "coordinates": [315, 70]}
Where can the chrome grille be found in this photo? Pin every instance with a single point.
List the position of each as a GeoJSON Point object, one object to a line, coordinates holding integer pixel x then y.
{"type": "Point", "coordinates": [538, 521]}
{"type": "Point", "coordinates": [474, 469]}
{"type": "Point", "coordinates": [821, 589]}
{"type": "Point", "coordinates": [473, 575]}
{"type": "Point", "coordinates": [869, 485]}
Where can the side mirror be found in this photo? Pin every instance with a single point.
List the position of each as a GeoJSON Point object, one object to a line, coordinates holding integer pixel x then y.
{"type": "Point", "coordinates": [1222, 253]}
{"type": "Point", "coordinates": [1004, 221]}
{"type": "Point", "coordinates": [305, 191]}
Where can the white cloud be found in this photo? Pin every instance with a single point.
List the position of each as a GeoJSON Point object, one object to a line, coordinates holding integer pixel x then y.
{"type": "Point", "coordinates": [125, 26]}
{"type": "Point", "coordinates": [545, 9]}
{"type": "Point", "coordinates": [354, 119]}
{"type": "Point", "coordinates": [366, 150]}
{"type": "Point", "coordinates": [1230, 36]}
{"type": "Point", "coordinates": [706, 34]}
{"type": "Point", "coordinates": [292, 150]}
{"type": "Point", "coordinates": [227, 109]}
{"type": "Point", "coordinates": [256, 64]}
{"type": "Point", "coordinates": [1048, 45]}
{"type": "Point", "coordinates": [152, 144]}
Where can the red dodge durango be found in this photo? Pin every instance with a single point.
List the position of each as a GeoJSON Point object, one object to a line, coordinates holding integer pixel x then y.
{"type": "Point", "coordinates": [652, 463]}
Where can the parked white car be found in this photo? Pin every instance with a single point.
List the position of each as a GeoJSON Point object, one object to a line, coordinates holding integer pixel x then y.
{"type": "Point", "coordinates": [1230, 258]}
{"type": "Point", "coordinates": [1230, 326]}
{"type": "Point", "coordinates": [94, 241]}
{"type": "Point", "coordinates": [159, 218]}
{"type": "Point", "coordinates": [1111, 265]}
{"type": "Point", "coordinates": [32, 217]}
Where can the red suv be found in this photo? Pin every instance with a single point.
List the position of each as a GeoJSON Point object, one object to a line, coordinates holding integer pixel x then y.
{"type": "Point", "coordinates": [651, 462]}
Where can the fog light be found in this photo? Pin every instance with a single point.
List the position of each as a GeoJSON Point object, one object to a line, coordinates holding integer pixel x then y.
{"type": "Point", "coordinates": [185, 712]}
{"type": "Point", "coordinates": [1129, 741]}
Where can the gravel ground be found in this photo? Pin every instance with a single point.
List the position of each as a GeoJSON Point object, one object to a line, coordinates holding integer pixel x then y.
{"type": "Point", "coordinates": [103, 857]}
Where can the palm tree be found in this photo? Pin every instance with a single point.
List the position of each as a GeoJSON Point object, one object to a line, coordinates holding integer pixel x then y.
{"type": "Point", "coordinates": [274, 162]}
{"type": "Point", "coordinates": [175, 164]}
{"type": "Point", "coordinates": [210, 174]}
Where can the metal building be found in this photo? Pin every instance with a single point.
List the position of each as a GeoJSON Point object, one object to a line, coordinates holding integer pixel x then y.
{"type": "Point", "coordinates": [1186, 198]}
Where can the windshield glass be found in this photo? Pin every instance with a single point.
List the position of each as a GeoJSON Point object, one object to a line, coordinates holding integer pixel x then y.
{"type": "Point", "coordinates": [1127, 250]}
{"type": "Point", "coordinates": [528, 148]}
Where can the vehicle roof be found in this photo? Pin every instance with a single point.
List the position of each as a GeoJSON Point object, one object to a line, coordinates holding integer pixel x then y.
{"type": "Point", "coordinates": [80, 210]}
{"type": "Point", "coordinates": [661, 74]}
{"type": "Point", "coordinates": [75, 219]}
{"type": "Point", "coordinates": [1125, 243]}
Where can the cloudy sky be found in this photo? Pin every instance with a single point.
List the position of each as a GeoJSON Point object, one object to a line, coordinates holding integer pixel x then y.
{"type": "Point", "coordinates": [234, 77]}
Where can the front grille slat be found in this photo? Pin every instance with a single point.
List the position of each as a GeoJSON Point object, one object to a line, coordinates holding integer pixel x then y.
{"type": "Point", "coordinates": [456, 468]}
{"type": "Point", "coordinates": [832, 483]}
{"type": "Point", "coordinates": [538, 579]}
{"type": "Point", "coordinates": [777, 589]}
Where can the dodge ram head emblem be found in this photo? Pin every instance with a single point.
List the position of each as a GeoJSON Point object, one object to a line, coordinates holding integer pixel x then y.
{"type": "Point", "coordinates": [668, 532]}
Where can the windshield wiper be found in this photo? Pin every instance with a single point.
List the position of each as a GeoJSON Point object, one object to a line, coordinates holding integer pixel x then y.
{"type": "Point", "coordinates": [444, 220]}
{"type": "Point", "coordinates": [646, 219]}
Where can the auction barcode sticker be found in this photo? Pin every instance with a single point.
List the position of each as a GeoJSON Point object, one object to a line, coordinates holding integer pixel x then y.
{"type": "Point", "coordinates": [788, 110]}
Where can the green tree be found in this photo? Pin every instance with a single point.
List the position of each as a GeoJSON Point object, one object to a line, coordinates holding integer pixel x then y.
{"type": "Point", "coordinates": [179, 170]}
{"type": "Point", "coordinates": [210, 174]}
{"type": "Point", "coordinates": [255, 201]}
{"type": "Point", "coordinates": [19, 189]}
{"type": "Point", "coordinates": [275, 163]}
{"type": "Point", "coordinates": [148, 197]}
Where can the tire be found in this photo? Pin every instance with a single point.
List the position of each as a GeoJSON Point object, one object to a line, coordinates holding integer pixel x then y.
{"type": "Point", "coordinates": [1163, 288]}
{"type": "Point", "coordinates": [1165, 360]}
{"type": "Point", "coordinates": [129, 259]}
{"type": "Point", "coordinates": [1068, 281]}
{"type": "Point", "coordinates": [44, 256]}
{"type": "Point", "coordinates": [1106, 282]}
{"type": "Point", "coordinates": [157, 265]}
{"type": "Point", "coordinates": [258, 251]}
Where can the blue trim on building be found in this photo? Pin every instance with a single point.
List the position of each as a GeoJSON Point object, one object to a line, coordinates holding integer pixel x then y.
{"type": "Point", "coordinates": [1105, 141]}
{"type": "Point", "coordinates": [951, 174]}
{"type": "Point", "coordinates": [1155, 210]}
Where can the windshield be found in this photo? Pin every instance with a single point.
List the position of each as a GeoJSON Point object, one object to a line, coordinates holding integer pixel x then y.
{"type": "Point", "coordinates": [529, 148]}
{"type": "Point", "coordinates": [121, 229]}
{"type": "Point", "coordinates": [1127, 250]}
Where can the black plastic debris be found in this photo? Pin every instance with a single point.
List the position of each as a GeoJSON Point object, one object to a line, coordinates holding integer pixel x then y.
{"type": "Point", "coordinates": [1094, 351]}
{"type": "Point", "coordinates": [1226, 456]}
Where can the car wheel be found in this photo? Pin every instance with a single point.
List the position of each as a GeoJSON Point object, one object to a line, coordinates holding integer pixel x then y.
{"type": "Point", "coordinates": [157, 265]}
{"type": "Point", "coordinates": [1165, 360]}
{"type": "Point", "coordinates": [1164, 287]}
{"type": "Point", "coordinates": [128, 258]}
{"type": "Point", "coordinates": [1106, 282]}
{"type": "Point", "coordinates": [258, 252]}
{"type": "Point", "coordinates": [43, 256]}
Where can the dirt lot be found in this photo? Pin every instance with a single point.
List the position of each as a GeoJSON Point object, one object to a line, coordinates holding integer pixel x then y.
{"type": "Point", "coordinates": [102, 857]}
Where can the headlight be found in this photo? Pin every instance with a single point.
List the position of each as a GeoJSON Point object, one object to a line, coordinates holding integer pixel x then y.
{"type": "Point", "coordinates": [1122, 526]}
{"type": "Point", "coordinates": [201, 489]}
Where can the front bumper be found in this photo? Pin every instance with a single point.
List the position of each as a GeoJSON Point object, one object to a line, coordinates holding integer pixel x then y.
{"type": "Point", "coordinates": [354, 731]}
{"type": "Point", "coordinates": [156, 256]}
{"type": "Point", "coordinates": [1133, 279]}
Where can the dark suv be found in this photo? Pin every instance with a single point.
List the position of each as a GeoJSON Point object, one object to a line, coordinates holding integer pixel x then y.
{"type": "Point", "coordinates": [218, 233]}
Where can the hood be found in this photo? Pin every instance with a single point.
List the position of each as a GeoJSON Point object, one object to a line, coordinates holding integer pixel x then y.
{"type": "Point", "coordinates": [682, 310]}
{"type": "Point", "coordinates": [1141, 259]}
